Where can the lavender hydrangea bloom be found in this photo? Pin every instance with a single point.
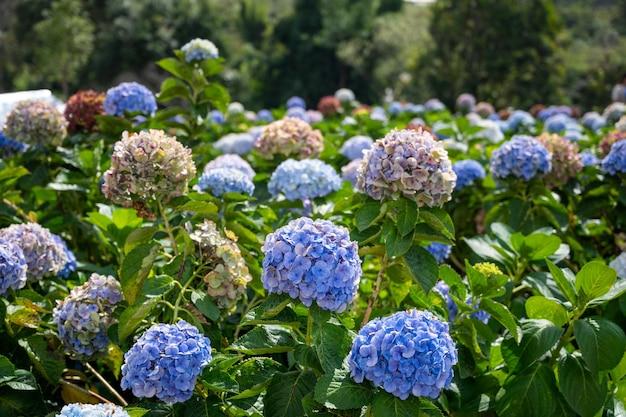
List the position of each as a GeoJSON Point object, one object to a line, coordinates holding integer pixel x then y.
{"type": "Point", "coordinates": [225, 180]}
{"type": "Point", "coordinates": [298, 113]}
{"type": "Point", "coordinates": [588, 159]}
{"type": "Point", "coordinates": [70, 265]}
{"type": "Point", "coordinates": [465, 103]}
{"type": "Point", "coordinates": [12, 267]}
{"type": "Point", "coordinates": [231, 161]}
{"type": "Point", "coordinates": [350, 172]}
{"type": "Point", "coordinates": [615, 162]}
{"type": "Point", "coordinates": [84, 316]}
{"type": "Point", "coordinates": [314, 261]}
{"type": "Point", "coordinates": [165, 362]}
{"type": "Point", "coordinates": [410, 163]}
{"type": "Point", "coordinates": [265, 115]}
{"type": "Point", "coordinates": [407, 353]}
{"type": "Point", "coordinates": [433, 105]}
{"type": "Point", "coordinates": [314, 116]}
{"type": "Point", "coordinates": [36, 123]}
{"type": "Point", "coordinates": [521, 157]}
{"type": "Point", "coordinates": [10, 147]}
{"type": "Point", "coordinates": [92, 410]}
{"type": "Point", "coordinates": [199, 50]}
{"type": "Point", "coordinates": [216, 117]}
{"type": "Point", "coordinates": [467, 171]}
{"type": "Point", "coordinates": [593, 120]}
{"type": "Point", "coordinates": [303, 180]}
{"type": "Point", "coordinates": [354, 147]}
{"type": "Point", "coordinates": [296, 101]}
{"type": "Point", "coordinates": [519, 118]}
{"type": "Point", "coordinates": [237, 143]}
{"type": "Point", "coordinates": [44, 256]}
{"type": "Point", "coordinates": [147, 166]}
{"type": "Point", "coordinates": [128, 98]}
{"type": "Point", "coordinates": [440, 251]}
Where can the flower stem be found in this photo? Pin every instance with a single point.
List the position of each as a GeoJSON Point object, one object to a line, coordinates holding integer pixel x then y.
{"type": "Point", "coordinates": [107, 385]}
{"type": "Point", "coordinates": [374, 296]}
{"type": "Point", "coordinates": [168, 228]}
{"type": "Point", "coordinates": [309, 329]}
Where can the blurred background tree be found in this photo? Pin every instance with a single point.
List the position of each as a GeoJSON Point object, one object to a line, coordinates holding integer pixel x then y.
{"type": "Point", "coordinates": [515, 52]}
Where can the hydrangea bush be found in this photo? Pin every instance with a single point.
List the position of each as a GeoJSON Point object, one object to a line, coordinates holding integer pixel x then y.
{"type": "Point", "coordinates": [36, 123]}
{"type": "Point", "coordinates": [522, 157]}
{"type": "Point", "coordinates": [129, 98]}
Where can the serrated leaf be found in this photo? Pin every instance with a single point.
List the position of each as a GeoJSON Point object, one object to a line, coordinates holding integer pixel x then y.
{"type": "Point", "coordinates": [285, 394]}
{"type": "Point", "coordinates": [602, 342]}
{"type": "Point", "coordinates": [502, 314]}
{"type": "Point", "coordinates": [538, 307]}
{"type": "Point", "coordinates": [264, 339]}
{"type": "Point", "coordinates": [337, 390]}
{"type": "Point", "coordinates": [528, 394]}
{"type": "Point", "coordinates": [565, 285]}
{"type": "Point", "coordinates": [595, 279]}
{"type": "Point", "coordinates": [206, 306]}
{"type": "Point", "coordinates": [423, 267]}
{"type": "Point", "coordinates": [539, 336]}
{"type": "Point", "coordinates": [581, 390]}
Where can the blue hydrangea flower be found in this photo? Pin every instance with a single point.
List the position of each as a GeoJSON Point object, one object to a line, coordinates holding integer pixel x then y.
{"type": "Point", "coordinates": [615, 162]}
{"type": "Point", "coordinates": [12, 267]}
{"type": "Point", "coordinates": [225, 180]}
{"type": "Point", "coordinates": [378, 113]}
{"type": "Point", "coordinates": [589, 159]}
{"type": "Point", "coordinates": [312, 261]}
{"type": "Point", "coordinates": [298, 113]}
{"type": "Point", "coordinates": [92, 410]}
{"type": "Point", "coordinates": [44, 256]}
{"type": "Point", "coordinates": [217, 117]}
{"type": "Point", "coordinates": [296, 101]}
{"type": "Point", "coordinates": [84, 316]}
{"type": "Point", "coordinates": [467, 171]}
{"type": "Point", "coordinates": [354, 147]}
{"type": "Point", "coordinates": [231, 161]}
{"type": "Point", "coordinates": [303, 180]}
{"type": "Point", "coordinates": [314, 116]}
{"type": "Point", "coordinates": [593, 120]}
{"type": "Point", "coordinates": [10, 147]}
{"type": "Point", "coordinates": [547, 112]}
{"type": "Point", "coordinates": [350, 172]}
{"type": "Point", "coordinates": [444, 290]}
{"type": "Point", "coordinates": [199, 50]}
{"type": "Point", "coordinates": [440, 251]}
{"type": "Point", "coordinates": [395, 108]}
{"type": "Point", "coordinates": [517, 119]}
{"type": "Point", "coordinates": [128, 98]}
{"type": "Point", "coordinates": [165, 362]}
{"type": "Point", "coordinates": [239, 143]}
{"type": "Point", "coordinates": [408, 353]}
{"type": "Point", "coordinates": [521, 157]}
{"type": "Point", "coordinates": [70, 265]}
{"type": "Point", "coordinates": [558, 123]}
{"type": "Point", "coordinates": [265, 115]}
{"type": "Point", "coordinates": [433, 105]}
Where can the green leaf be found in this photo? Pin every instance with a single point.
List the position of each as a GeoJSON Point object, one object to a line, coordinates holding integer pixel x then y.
{"type": "Point", "coordinates": [528, 395]}
{"type": "Point", "coordinates": [423, 267]}
{"type": "Point", "coordinates": [366, 215]}
{"type": "Point", "coordinates": [253, 375]}
{"type": "Point", "coordinates": [205, 305]}
{"type": "Point", "coordinates": [539, 246]}
{"type": "Point", "coordinates": [617, 290]}
{"type": "Point", "coordinates": [332, 344]}
{"type": "Point", "coordinates": [139, 236]}
{"type": "Point", "coordinates": [595, 279]}
{"type": "Point", "coordinates": [407, 215]}
{"type": "Point", "coordinates": [565, 285]}
{"type": "Point", "coordinates": [136, 411]}
{"type": "Point", "coordinates": [7, 369]}
{"type": "Point", "coordinates": [337, 390]}
{"type": "Point", "coordinates": [176, 68]}
{"type": "Point", "coordinates": [538, 307]}
{"type": "Point", "coordinates": [602, 342]}
{"type": "Point", "coordinates": [132, 316]}
{"type": "Point", "coordinates": [264, 339]}
{"type": "Point", "coordinates": [135, 268]}
{"type": "Point", "coordinates": [217, 380]}
{"type": "Point", "coordinates": [502, 314]}
{"type": "Point", "coordinates": [285, 393]}
{"type": "Point", "coordinates": [396, 244]}
{"type": "Point", "coordinates": [49, 363]}
{"type": "Point", "coordinates": [539, 336]}
{"type": "Point", "coordinates": [387, 405]}
{"type": "Point", "coordinates": [581, 390]}
{"type": "Point", "coordinates": [439, 220]}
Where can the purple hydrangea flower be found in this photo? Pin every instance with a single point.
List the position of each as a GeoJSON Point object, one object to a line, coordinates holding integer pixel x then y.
{"type": "Point", "coordinates": [85, 315]}
{"type": "Point", "coordinates": [354, 147]}
{"type": "Point", "coordinates": [593, 120]}
{"type": "Point", "coordinates": [265, 115]}
{"type": "Point", "coordinates": [350, 172]}
{"type": "Point", "coordinates": [70, 265]}
{"type": "Point", "coordinates": [433, 105]}
{"type": "Point", "coordinates": [467, 171]}
{"type": "Point", "coordinates": [199, 50]}
{"type": "Point", "coordinates": [407, 353]}
{"type": "Point", "coordinates": [165, 362]}
{"type": "Point", "coordinates": [92, 410]}
{"type": "Point", "coordinates": [216, 117]}
{"type": "Point", "coordinates": [298, 113]}
{"type": "Point", "coordinates": [128, 98]}
{"type": "Point", "coordinates": [12, 267]}
{"type": "Point", "coordinates": [314, 261]}
{"type": "Point", "coordinates": [233, 161]}
{"type": "Point", "coordinates": [440, 251]}
{"type": "Point", "coordinates": [615, 162]}
{"type": "Point", "coordinates": [465, 103]}
{"type": "Point", "coordinates": [218, 181]}
{"type": "Point", "coordinates": [296, 101]}
{"type": "Point", "coordinates": [303, 180]}
{"type": "Point", "coordinates": [521, 157]}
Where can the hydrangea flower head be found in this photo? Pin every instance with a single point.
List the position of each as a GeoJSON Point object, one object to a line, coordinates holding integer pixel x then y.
{"type": "Point", "coordinates": [519, 118]}
{"type": "Point", "coordinates": [615, 162]}
{"type": "Point", "coordinates": [36, 123]}
{"type": "Point", "coordinates": [148, 166]}
{"type": "Point", "coordinates": [484, 109]}
{"type": "Point", "coordinates": [129, 98]}
{"type": "Point", "coordinates": [84, 316]}
{"type": "Point", "coordinates": [488, 269]}
{"type": "Point", "coordinates": [228, 274]}
{"type": "Point", "coordinates": [619, 265]}
{"type": "Point", "coordinates": [216, 117]}
{"type": "Point", "coordinates": [199, 50]}
{"type": "Point", "coordinates": [218, 181]}
{"type": "Point", "coordinates": [165, 362]}
{"type": "Point", "coordinates": [265, 115]}
{"type": "Point", "coordinates": [614, 111]}
{"type": "Point", "coordinates": [314, 116]}
{"type": "Point", "coordinates": [303, 180]}
{"type": "Point", "coordinates": [434, 105]}
{"type": "Point", "coordinates": [231, 161]}
{"type": "Point", "coordinates": [12, 267]}
{"type": "Point", "coordinates": [92, 410]}
{"type": "Point", "coordinates": [588, 159]}
{"type": "Point", "coordinates": [354, 147]}
{"type": "Point", "coordinates": [235, 108]}
{"type": "Point", "coordinates": [290, 137]}
{"type": "Point", "coordinates": [10, 147]}
{"type": "Point", "coordinates": [443, 290]}
{"type": "Point", "coordinates": [521, 157]}
{"type": "Point", "coordinates": [465, 103]}
{"type": "Point", "coordinates": [237, 143]}
{"type": "Point", "coordinates": [350, 172]}
{"type": "Point", "coordinates": [566, 161]}
{"type": "Point", "coordinates": [43, 255]}
{"type": "Point", "coordinates": [467, 171]}
{"type": "Point", "coordinates": [82, 108]}
{"type": "Point", "coordinates": [314, 261]}
{"type": "Point", "coordinates": [296, 101]}
{"type": "Point", "coordinates": [329, 105]}
{"type": "Point", "coordinates": [345, 95]}
{"type": "Point", "coordinates": [440, 251]}
{"type": "Point", "coordinates": [593, 120]}
{"type": "Point", "coordinates": [298, 113]}
{"type": "Point", "coordinates": [408, 353]}
{"type": "Point", "coordinates": [410, 163]}
{"type": "Point", "coordinates": [70, 265]}
{"type": "Point", "coordinates": [607, 141]}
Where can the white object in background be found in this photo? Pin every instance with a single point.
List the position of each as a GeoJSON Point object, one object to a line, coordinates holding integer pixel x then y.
{"type": "Point", "coordinates": [9, 100]}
